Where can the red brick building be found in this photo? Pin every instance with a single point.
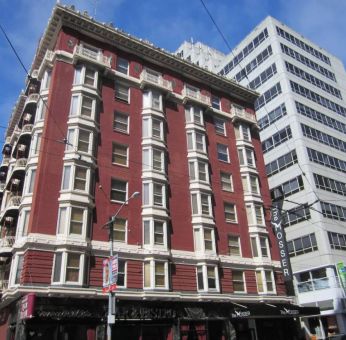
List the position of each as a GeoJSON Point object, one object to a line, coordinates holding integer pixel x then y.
{"type": "Point", "coordinates": [105, 115]}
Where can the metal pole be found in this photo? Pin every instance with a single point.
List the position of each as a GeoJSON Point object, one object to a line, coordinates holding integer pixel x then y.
{"type": "Point", "coordinates": [110, 224]}
{"type": "Point", "coordinates": [110, 295]}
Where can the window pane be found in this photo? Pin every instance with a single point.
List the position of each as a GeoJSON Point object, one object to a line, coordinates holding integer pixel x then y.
{"type": "Point", "coordinates": [72, 267]}
{"type": "Point", "coordinates": [118, 190]}
{"type": "Point", "coordinates": [76, 225]}
{"type": "Point", "coordinates": [83, 142]}
{"type": "Point", "coordinates": [259, 282]}
{"type": "Point", "coordinates": [159, 274]}
{"type": "Point", "coordinates": [80, 178]}
{"type": "Point", "coordinates": [147, 274]}
{"type": "Point", "coordinates": [119, 230]}
{"type": "Point", "coordinates": [119, 155]}
{"type": "Point", "coordinates": [146, 230]}
{"type": "Point", "coordinates": [87, 106]}
{"type": "Point", "coordinates": [121, 121]}
{"type": "Point", "coordinates": [62, 220]}
{"type": "Point", "coordinates": [66, 178]}
{"type": "Point", "coordinates": [57, 267]}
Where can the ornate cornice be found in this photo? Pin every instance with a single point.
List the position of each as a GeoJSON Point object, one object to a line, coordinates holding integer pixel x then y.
{"type": "Point", "coordinates": [64, 16]}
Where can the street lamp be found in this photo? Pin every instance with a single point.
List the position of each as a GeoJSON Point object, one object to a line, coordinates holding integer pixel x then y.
{"type": "Point", "coordinates": [110, 224]}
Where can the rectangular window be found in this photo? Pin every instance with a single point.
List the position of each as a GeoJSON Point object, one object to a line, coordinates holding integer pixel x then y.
{"type": "Point", "coordinates": [118, 190]}
{"type": "Point", "coordinates": [260, 287]}
{"type": "Point", "coordinates": [80, 179]}
{"type": "Point", "coordinates": [147, 280]}
{"type": "Point", "coordinates": [84, 141]}
{"type": "Point", "coordinates": [158, 232]}
{"type": "Point", "coordinates": [222, 153]}
{"type": "Point", "coordinates": [259, 214]}
{"type": "Point", "coordinates": [32, 176]}
{"type": "Point", "coordinates": [263, 245]}
{"type": "Point", "coordinates": [230, 212]}
{"type": "Point", "coordinates": [121, 280]}
{"type": "Point", "coordinates": [226, 181]}
{"type": "Point", "coordinates": [238, 281]}
{"type": "Point", "coordinates": [122, 65]}
{"type": "Point", "coordinates": [20, 261]}
{"type": "Point", "coordinates": [119, 230]}
{"type": "Point", "coordinates": [234, 245]}
{"type": "Point", "coordinates": [158, 194]}
{"type": "Point", "coordinates": [205, 204]}
{"type": "Point", "coordinates": [208, 239]}
{"type": "Point", "coordinates": [159, 274]}
{"type": "Point", "coordinates": [122, 92]}
{"type": "Point", "coordinates": [254, 246]}
{"type": "Point", "coordinates": [76, 224]}
{"type": "Point", "coordinates": [87, 109]}
{"type": "Point", "coordinates": [72, 267]}
{"type": "Point", "coordinates": [156, 128]}
{"type": "Point", "coordinates": [302, 245]}
{"type": "Point", "coordinates": [121, 122]}
{"type": "Point", "coordinates": [211, 277]}
{"type": "Point", "coordinates": [200, 284]}
{"type": "Point", "coordinates": [215, 102]}
{"type": "Point", "coordinates": [220, 127]}
{"type": "Point", "coordinates": [119, 154]}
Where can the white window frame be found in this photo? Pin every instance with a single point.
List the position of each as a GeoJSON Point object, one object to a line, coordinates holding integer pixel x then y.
{"type": "Point", "coordinates": [238, 242]}
{"type": "Point", "coordinates": [64, 221]}
{"type": "Point", "coordinates": [115, 229]}
{"type": "Point", "coordinates": [216, 102]}
{"type": "Point", "coordinates": [113, 179]}
{"type": "Point", "coordinates": [125, 273]}
{"type": "Point", "coordinates": [149, 224]}
{"type": "Point", "coordinates": [148, 194]}
{"type": "Point", "coordinates": [194, 114]}
{"type": "Point", "coordinates": [199, 234]}
{"type": "Point", "coordinates": [192, 143]}
{"type": "Point", "coordinates": [227, 212]}
{"type": "Point", "coordinates": [225, 151]}
{"type": "Point", "coordinates": [30, 178]}
{"type": "Point", "coordinates": [206, 288]}
{"type": "Point", "coordinates": [23, 222]}
{"type": "Point", "coordinates": [243, 157]}
{"type": "Point", "coordinates": [73, 141]}
{"type": "Point", "coordinates": [63, 269]}
{"type": "Point", "coordinates": [80, 76]}
{"type": "Point", "coordinates": [196, 169]}
{"type": "Point", "coordinates": [243, 281]}
{"type": "Point", "coordinates": [149, 162]}
{"type": "Point", "coordinates": [122, 65]}
{"type": "Point", "coordinates": [150, 98]}
{"type": "Point", "coordinates": [119, 92]}
{"type": "Point", "coordinates": [115, 122]}
{"type": "Point", "coordinates": [226, 183]}
{"type": "Point", "coordinates": [15, 267]}
{"type": "Point", "coordinates": [152, 275]}
{"type": "Point", "coordinates": [126, 156]}
{"type": "Point", "coordinates": [196, 202]}
{"type": "Point", "coordinates": [35, 144]}
{"type": "Point", "coordinates": [148, 128]}
{"type": "Point", "coordinates": [220, 126]}
{"type": "Point", "coordinates": [46, 79]}
{"type": "Point", "coordinates": [262, 274]}
{"type": "Point", "coordinates": [71, 180]}
{"type": "Point", "coordinates": [41, 110]}
{"type": "Point", "coordinates": [251, 209]}
{"type": "Point", "coordinates": [258, 251]}
{"type": "Point", "coordinates": [77, 103]}
{"type": "Point", "coordinates": [241, 134]}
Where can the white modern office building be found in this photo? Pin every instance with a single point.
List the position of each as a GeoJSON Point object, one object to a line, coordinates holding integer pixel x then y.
{"type": "Point", "coordinates": [302, 117]}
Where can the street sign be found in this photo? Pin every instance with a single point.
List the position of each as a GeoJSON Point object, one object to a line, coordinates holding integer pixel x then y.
{"type": "Point", "coordinates": [110, 274]}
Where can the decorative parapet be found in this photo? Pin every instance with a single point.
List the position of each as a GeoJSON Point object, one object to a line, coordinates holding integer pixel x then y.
{"type": "Point", "coordinates": [90, 55]}
{"type": "Point", "coordinates": [195, 96]}
{"type": "Point", "coordinates": [156, 80]}
{"type": "Point", "coordinates": [238, 113]}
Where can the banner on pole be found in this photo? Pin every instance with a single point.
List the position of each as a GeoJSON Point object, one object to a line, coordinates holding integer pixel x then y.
{"type": "Point", "coordinates": [110, 274]}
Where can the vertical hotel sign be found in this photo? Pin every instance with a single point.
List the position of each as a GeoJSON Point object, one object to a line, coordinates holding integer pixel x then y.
{"type": "Point", "coordinates": [110, 274]}
{"type": "Point", "coordinates": [279, 231]}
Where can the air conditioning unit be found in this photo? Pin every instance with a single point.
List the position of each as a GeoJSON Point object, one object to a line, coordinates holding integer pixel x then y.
{"type": "Point", "coordinates": [21, 147]}
{"type": "Point", "coordinates": [15, 181]}
{"type": "Point", "coordinates": [9, 220]}
{"type": "Point", "coordinates": [27, 117]}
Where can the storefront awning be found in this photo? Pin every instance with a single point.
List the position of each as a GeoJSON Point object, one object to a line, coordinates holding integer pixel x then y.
{"type": "Point", "coordinates": [266, 310]}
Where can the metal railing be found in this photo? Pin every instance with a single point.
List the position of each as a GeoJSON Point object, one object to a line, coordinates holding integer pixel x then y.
{"type": "Point", "coordinates": [7, 241]}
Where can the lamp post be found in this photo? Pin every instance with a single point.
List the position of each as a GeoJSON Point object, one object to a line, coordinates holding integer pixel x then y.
{"type": "Point", "coordinates": [110, 224]}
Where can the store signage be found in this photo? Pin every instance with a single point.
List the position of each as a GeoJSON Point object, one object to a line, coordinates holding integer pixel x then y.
{"type": "Point", "coordinates": [287, 311]}
{"type": "Point", "coordinates": [342, 273]}
{"type": "Point", "coordinates": [238, 314]}
{"type": "Point", "coordinates": [279, 231]}
{"type": "Point", "coordinates": [110, 274]}
{"type": "Point", "coordinates": [27, 306]}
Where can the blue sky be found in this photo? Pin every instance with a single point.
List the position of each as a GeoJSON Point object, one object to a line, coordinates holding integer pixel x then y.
{"type": "Point", "coordinates": [166, 23]}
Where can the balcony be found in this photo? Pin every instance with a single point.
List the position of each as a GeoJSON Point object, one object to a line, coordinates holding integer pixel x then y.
{"type": "Point", "coordinates": [5, 161]}
{"type": "Point", "coordinates": [193, 95]}
{"type": "Point", "coordinates": [12, 206]}
{"type": "Point", "coordinates": [7, 241]}
{"type": "Point", "coordinates": [27, 129]}
{"type": "Point", "coordinates": [238, 113]}
{"type": "Point", "coordinates": [156, 80]}
{"type": "Point", "coordinates": [91, 55]}
{"type": "Point", "coordinates": [32, 99]}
